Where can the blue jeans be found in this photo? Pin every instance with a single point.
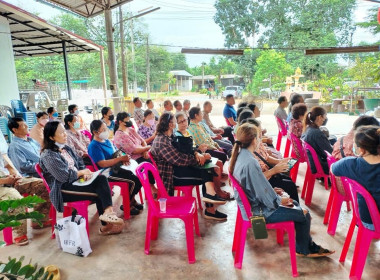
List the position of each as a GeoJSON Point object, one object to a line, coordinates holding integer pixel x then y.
{"type": "Point", "coordinates": [301, 222]}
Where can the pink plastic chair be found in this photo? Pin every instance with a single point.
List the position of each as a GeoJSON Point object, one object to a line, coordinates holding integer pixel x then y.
{"type": "Point", "coordinates": [185, 190]}
{"type": "Point", "coordinates": [184, 208]}
{"type": "Point", "coordinates": [80, 206]}
{"type": "Point", "coordinates": [228, 122]}
{"type": "Point", "coordinates": [308, 186]}
{"type": "Point", "coordinates": [282, 131]}
{"type": "Point", "coordinates": [242, 226]}
{"type": "Point", "coordinates": [365, 235]}
{"type": "Point", "coordinates": [301, 156]}
{"type": "Point", "coordinates": [86, 133]}
{"type": "Point", "coordinates": [336, 199]}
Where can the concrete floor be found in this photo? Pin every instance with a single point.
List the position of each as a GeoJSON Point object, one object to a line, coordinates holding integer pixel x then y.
{"type": "Point", "coordinates": [122, 256]}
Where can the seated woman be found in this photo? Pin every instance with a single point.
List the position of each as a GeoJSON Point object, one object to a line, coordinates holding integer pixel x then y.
{"type": "Point", "coordinates": [182, 131]}
{"type": "Point", "coordinates": [101, 150]}
{"type": "Point", "coordinates": [127, 139]}
{"type": "Point", "coordinates": [37, 131]}
{"type": "Point", "coordinates": [344, 146]}
{"type": "Point", "coordinates": [296, 123]}
{"type": "Point", "coordinates": [273, 168]}
{"type": "Point", "coordinates": [200, 135]}
{"type": "Point", "coordinates": [75, 139]}
{"type": "Point", "coordinates": [169, 160]}
{"type": "Point", "coordinates": [62, 167]}
{"type": "Point", "coordinates": [147, 130]}
{"type": "Point", "coordinates": [242, 114]}
{"type": "Point", "coordinates": [365, 168]}
{"type": "Point", "coordinates": [108, 118]}
{"type": "Point", "coordinates": [263, 198]}
{"type": "Point", "coordinates": [316, 138]}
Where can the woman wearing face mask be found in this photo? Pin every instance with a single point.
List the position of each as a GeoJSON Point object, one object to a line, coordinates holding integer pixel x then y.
{"type": "Point", "coordinates": [75, 139]}
{"type": "Point", "coordinates": [313, 120]}
{"type": "Point", "coordinates": [147, 129]}
{"type": "Point", "coordinates": [62, 167]}
{"type": "Point", "coordinates": [108, 118]}
{"type": "Point", "coordinates": [101, 151]}
{"type": "Point", "coordinates": [37, 131]}
{"type": "Point", "coordinates": [53, 114]}
{"type": "Point", "coordinates": [364, 169]}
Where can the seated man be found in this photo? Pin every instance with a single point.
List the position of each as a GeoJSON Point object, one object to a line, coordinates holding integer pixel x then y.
{"type": "Point", "coordinates": [138, 113]}
{"type": "Point", "coordinates": [200, 136]}
{"type": "Point", "coordinates": [168, 106]}
{"type": "Point", "coordinates": [186, 107]}
{"type": "Point", "coordinates": [229, 111]}
{"type": "Point", "coordinates": [280, 111]}
{"type": "Point", "coordinates": [150, 105]}
{"type": "Point", "coordinates": [178, 106]}
{"type": "Point", "coordinates": [24, 185]}
{"type": "Point", "coordinates": [53, 114]}
{"type": "Point", "coordinates": [225, 131]}
{"type": "Point", "coordinates": [73, 109]}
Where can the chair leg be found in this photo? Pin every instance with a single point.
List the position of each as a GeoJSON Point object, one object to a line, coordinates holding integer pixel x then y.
{"type": "Point", "coordinates": [237, 231]}
{"type": "Point", "coordinates": [124, 191]}
{"type": "Point", "coordinates": [196, 224]}
{"type": "Point", "coordinates": [347, 242]}
{"type": "Point", "coordinates": [287, 148]}
{"type": "Point", "coordinates": [363, 242]}
{"type": "Point", "coordinates": [155, 224]}
{"type": "Point", "coordinates": [292, 250]}
{"type": "Point", "coordinates": [280, 237]}
{"type": "Point", "coordinates": [8, 236]}
{"type": "Point", "coordinates": [329, 206]}
{"type": "Point", "coordinates": [190, 239]}
{"type": "Point", "coordinates": [238, 262]}
{"type": "Point", "coordinates": [141, 197]}
{"type": "Point", "coordinates": [306, 182]}
{"type": "Point", "coordinates": [310, 189]}
{"type": "Point", "coordinates": [326, 182]}
{"type": "Point", "coordinates": [148, 233]}
{"type": "Point", "coordinates": [199, 198]}
{"type": "Point", "coordinates": [53, 220]}
{"type": "Point", "coordinates": [335, 211]}
{"type": "Point", "coordinates": [348, 206]}
{"type": "Point", "coordinates": [279, 138]}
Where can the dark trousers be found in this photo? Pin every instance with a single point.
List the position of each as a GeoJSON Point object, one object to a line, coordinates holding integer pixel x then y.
{"type": "Point", "coordinates": [225, 145]}
{"type": "Point", "coordinates": [284, 182]}
{"type": "Point", "coordinates": [98, 191]}
{"type": "Point", "coordinates": [218, 154]}
{"type": "Point", "coordinates": [150, 175]}
{"type": "Point", "coordinates": [304, 244]}
{"type": "Point", "coordinates": [133, 181]}
{"type": "Point", "coordinates": [228, 133]}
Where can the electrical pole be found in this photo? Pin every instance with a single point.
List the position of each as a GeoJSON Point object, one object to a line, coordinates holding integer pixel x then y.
{"type": "Point", "coordinates": [147, 68]}
{"type": "Point", "coordinates": [203, 74]}
{"type": "Point", "coordinates": [133, 60]}
{"type": "Point", "coordinates": [112, 59]}
{"type": "Point", "coordinates": [124, 62]}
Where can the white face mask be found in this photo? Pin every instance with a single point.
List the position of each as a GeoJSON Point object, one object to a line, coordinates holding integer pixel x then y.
{"type": "Point", "coordinates": [59, 145]}
{"type": "Point", "coordinates": [76, 112]}
{"type": "Point", "coordinates": [43, 122]}
{"type": "Point", "coordinates": [104, 135]}
{"type": "Point", "coordinates": [151, 122]}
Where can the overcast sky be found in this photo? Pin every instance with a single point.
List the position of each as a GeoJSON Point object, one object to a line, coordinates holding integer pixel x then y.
{"type": "Point", "coordinates": [187, 23]}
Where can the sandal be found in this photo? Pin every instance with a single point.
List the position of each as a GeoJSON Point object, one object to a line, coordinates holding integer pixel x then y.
{"type": "Point", "coordinates": [53, 270]}
{"type": "Point", "coordinates": [111, 229]}
{"type": "Point", "coordinates": [321, 253]}
{"type": "Point", "coordinates": [111, 218]}
{"type": "Point", "coordinates": [21, 240]}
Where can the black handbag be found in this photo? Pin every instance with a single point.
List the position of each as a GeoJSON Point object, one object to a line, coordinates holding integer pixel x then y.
{"type": "Point", "coordinates": [183, 144]}
{"type": "Point", "coordinates": [116, 167]}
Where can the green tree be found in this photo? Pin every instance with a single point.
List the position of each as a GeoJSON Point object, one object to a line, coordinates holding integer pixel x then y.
{"type": "Point", "coordinates": [371, 22]}
{"type": "Point", "coordinates": [271, 69]}
{"type": "Point", "coordinates": [179, 61]}
{"type": "Point", "coordinates": [363, 72]}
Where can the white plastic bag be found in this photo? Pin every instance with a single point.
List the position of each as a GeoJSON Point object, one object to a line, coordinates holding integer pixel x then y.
{"type": "Point", "coordinates": [71, 235]}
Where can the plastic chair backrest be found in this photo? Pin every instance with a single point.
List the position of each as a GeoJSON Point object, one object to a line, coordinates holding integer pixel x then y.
{"type": "Point", "coordinates": [243, 197]}
{"type": "Point", "coordinates": [17, 106]}
{"type": "Point", "coordinates": [355, 189]}
{"type": "Point", "coordinates": [330, 161]}
{"type": "Point", "coordinates": [151, 159]}
{"type": "Point", "coordinates": [142, 172]}
{"type": "Point", "coordinates": [93, 167]}
{"type": "Point", "coordinates": [39, 172]}
{"type": "Point", "coordinates": [86, 133]}
{"type": "Point", "coordinates": [228, 122]}
{"type": "Point", "coordinates": [297, 143]}
{"type": "Point", "coordinates": [6, 111]}
{"type": "Point", "coordinates": [4, 129]}
{"type": "Point", "coordinates": [281, 126]}
{"type": "Point", "coordinates": [314, 155]}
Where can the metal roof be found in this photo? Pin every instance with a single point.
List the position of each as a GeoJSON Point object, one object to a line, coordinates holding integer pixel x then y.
{"type": "Point", "coordinates": [33, 36]}
{"type": "Point", "coordinates": [181, 73]}
{"type": "Point", "coordinates": [86, 8]}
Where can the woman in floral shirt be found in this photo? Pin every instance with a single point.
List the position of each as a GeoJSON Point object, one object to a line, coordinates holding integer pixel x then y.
{"type": "Point", "coordinates": [296, 124]}
{"type": "Point", "coordinates": [147, 129]}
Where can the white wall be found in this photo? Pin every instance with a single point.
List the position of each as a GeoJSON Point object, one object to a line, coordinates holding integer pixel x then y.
{"type": "Point", "coordinates": [8, 77]}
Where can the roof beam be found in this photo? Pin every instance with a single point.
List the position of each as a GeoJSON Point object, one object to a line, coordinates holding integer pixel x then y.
{"type": "Point", "coordinates": [213, 51]}
{"type": "Point", "coordinates": [22, 31]}
{"type": "Point", "coordinates": [338, 50]}
{"type": "Point", "coordinates": [29, 43]}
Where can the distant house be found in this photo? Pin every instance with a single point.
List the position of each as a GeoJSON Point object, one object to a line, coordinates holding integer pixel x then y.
{"type": "Point", "coordinates": [209, 80]}
{"type": "Point", "coordinates": [183, 82]}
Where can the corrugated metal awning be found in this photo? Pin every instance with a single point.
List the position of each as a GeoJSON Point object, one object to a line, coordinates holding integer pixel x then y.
{"type": "Point", "coordinates": [86, 8]}
{"type": "Point", "coordinates": [33, 36]}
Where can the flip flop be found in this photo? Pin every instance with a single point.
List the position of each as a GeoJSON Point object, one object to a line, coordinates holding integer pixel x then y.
{"type": "Point", "coordinates": [21, 240]}
{"type": "Point", "coordinates": [53, 270]}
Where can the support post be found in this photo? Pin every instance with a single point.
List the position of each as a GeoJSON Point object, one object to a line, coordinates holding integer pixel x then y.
{"type": "Point", "coordinates": [147, 68]}
{"type": "Point", "coordinates": [66, 70]}
{"type": "Point", "coordinates": [124, 61]}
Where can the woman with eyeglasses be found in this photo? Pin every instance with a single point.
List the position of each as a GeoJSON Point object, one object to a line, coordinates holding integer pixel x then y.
{"type": "Point", "coordinates": [102, 152]}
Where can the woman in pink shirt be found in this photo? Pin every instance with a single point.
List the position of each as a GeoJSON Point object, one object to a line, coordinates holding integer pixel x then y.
{"type": "Point", "coordinates": [37, 131]}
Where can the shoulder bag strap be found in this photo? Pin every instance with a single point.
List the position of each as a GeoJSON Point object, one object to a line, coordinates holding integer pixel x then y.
{"type": "Point", "coordinates": [341, 148]}
{"type": "Point", "coordinates": [267, 163]}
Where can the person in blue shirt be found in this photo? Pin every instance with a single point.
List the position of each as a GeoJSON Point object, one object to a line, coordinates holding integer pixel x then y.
{"type": "Point", "coordinates": [229, 111]}
{"type": "Point", "coordinates": [101, 151]}
{"type": "Point", "coordinates": [24, 151]}
{"type": "Point", "coordinates": [274, 204]}
{"type": "Point", "coordinates": [364, 169]}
